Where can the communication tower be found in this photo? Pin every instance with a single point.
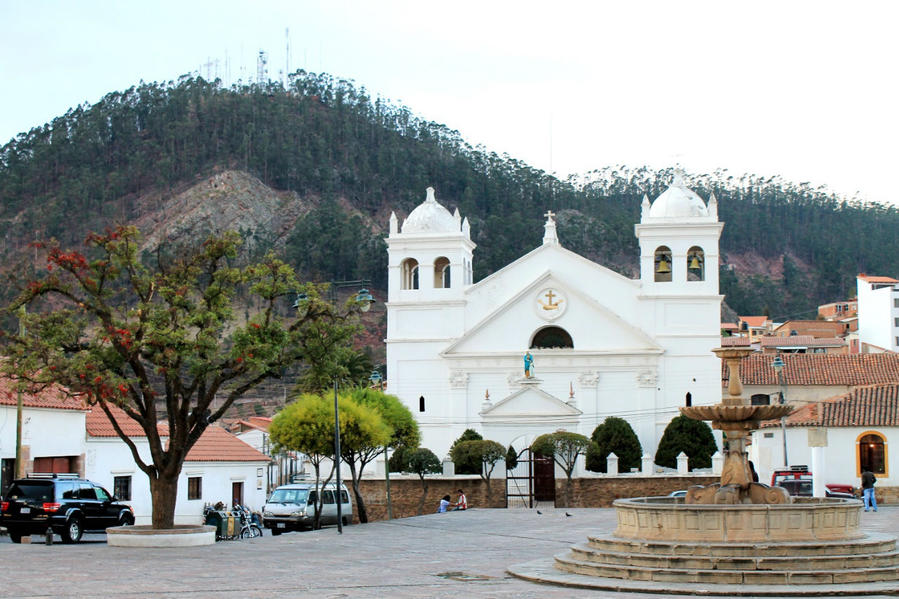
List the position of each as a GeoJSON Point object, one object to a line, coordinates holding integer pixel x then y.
{"type": "Point", "coordinates": [262, 67]}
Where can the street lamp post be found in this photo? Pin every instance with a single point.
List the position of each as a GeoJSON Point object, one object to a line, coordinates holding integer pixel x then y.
{"type": "Point", "coordinates": [778, 365]}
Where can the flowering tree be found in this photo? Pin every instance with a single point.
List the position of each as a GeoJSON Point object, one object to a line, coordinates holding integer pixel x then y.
{"type": "Point", "coordinates": [162, 342]}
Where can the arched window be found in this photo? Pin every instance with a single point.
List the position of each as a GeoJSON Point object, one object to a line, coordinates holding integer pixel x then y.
{"type": "Point", "coordinates": [662, 264]}
{"type": "Point", "coordinates": [421, 403]}
{"type": "Point", "coordinates": [552, 337]}
{"type": "Point", "coordinates": [695, 264]}
{"type": "Point", "coordinates": [410, 273]}
{"type": "Point", "coordinates": [871, 453]}
{"type": "Point", "coordinates": [441, 273]}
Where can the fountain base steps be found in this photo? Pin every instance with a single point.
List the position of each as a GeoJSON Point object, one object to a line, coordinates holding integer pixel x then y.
{"type": "Point", "coordinates": [853, 567]}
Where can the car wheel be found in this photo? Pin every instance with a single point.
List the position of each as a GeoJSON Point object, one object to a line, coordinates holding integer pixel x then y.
{"type": "Point", "coordinates": [73, 531]}
{"type": "Point", "coordinates": [15, 536]}
{"type": "Point", "coordinates": [126, 520]}
{"type": "Point", "coordinates": [275, 532]}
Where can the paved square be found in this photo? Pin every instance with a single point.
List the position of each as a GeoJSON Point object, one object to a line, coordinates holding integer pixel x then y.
{"type": "Point", "coordinates": [457, 554]}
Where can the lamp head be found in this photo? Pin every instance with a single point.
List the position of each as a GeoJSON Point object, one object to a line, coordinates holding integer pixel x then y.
{"type": "Point", "coordinates": [777, 364]}
{"type": "Point", "coordinates": [366, 299]}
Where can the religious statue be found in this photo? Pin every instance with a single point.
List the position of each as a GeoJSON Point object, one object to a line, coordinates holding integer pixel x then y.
{"type": "Point", "coordinates": [528, 363]}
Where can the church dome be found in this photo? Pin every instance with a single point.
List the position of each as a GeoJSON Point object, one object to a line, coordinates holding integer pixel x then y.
{"type": "Point", "coordinates": [678, 201]}
{"type": "Point", "coordinates": [430, 217]}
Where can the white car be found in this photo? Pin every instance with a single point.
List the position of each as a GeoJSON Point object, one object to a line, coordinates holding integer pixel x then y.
{"type": "Point", "coordinates": [292, 507]}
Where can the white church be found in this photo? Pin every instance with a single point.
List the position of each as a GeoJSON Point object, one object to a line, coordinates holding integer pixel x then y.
{"type": "Point", "coordinates": [601, 344]}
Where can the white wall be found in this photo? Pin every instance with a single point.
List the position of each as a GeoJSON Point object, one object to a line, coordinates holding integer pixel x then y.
{"type": "Point", "coordinates": [110, 457]}
{"type": "Point", "coordinates": [876, 315]}
{"type": "Point", "coordinates": [47, 432]}
{"type": "Point", "coordinates": [839, 454]}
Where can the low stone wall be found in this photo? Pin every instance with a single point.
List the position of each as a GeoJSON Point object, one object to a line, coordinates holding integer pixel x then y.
{"type": "Point", "coordinates": [602, 491]}
{"type": "Point", "coordinates": [886, 495]}
{"type": "Point", "coordinates": [405, 494]}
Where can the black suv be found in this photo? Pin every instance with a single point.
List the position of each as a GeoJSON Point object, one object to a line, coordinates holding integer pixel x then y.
{"type": "Point", "coordinates": [67, 505]}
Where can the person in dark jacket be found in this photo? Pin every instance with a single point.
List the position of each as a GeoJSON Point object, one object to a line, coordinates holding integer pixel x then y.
{"type": "Point", "coordinates": [868, 480]}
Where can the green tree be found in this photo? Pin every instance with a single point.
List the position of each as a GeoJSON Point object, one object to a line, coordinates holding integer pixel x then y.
{"type": "Point", "coordinates": [616, 436]}
{"type": "Point", "coordinates": [511, 458]}
{"type": "Point", "coordinates": [469, 465]}
{"type": "Point", "coordinates": [307, 426]}
{"type": "Point", "coordinates": [403, 432]}
{"type": "Point", "coordinates": [564, 448]}
{"type": "Point", "coordinates": [421, 461]}
{"type": "Point", "coordinates": [485, 452]}
{"type": "Point", "coordinates": [693, 437]}
{"type": "Point", "coordinates": [162, 339]}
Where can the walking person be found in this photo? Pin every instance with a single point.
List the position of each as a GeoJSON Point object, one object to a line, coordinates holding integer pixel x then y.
{"type": "Point", "coordinates": [868, 480]}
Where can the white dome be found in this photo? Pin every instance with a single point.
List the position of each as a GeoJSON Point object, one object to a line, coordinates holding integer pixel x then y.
{"type": "Point", "coordinates": [430, 217]}
{"type": "Point", "coordinates": [678, 201]}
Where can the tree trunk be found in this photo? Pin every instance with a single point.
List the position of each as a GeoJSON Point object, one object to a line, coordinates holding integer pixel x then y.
{"type": "Point", "coordinates": [360, 503]}
{"type": "Point", "coordinates": [164, 493]}
{"type": "Point", "coordinates": [568, 492]}
{"type": "Point", "coordinates": [424, 494]}
{"type": "Point", "coordinates": [487, 480]}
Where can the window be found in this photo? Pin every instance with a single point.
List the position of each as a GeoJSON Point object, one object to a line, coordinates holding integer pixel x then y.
{"type": "Point", "coordinates": [102, 495]}
{"type": "Point", "coordinates": [695, 264]}
{"type": "Point", "coordinates": [86, 491]}
{"type": "Point", "coordinates": [662, 264]}
{"type": "Point", "coordinates": [760, 399]}
{"type": "Point", "coordinates": [409, 273]}
{"type": "Point", "coordinates": [121, 487]}
{"type": "Point", "coordinates": [327, 496]}
{"type": "Point", "coordinates": [552, 337]}
{"type": "Point", "coordinates": [896, 322]}
{"type": "Point", "coordinates": [441, 273]}
{"type": "Point", "coordinates": [344, 496]}
{"type": "Point", "coordinates": [421, 403]}
{"type": "Point", "coordinates": [872, 453]}
{"type": "Point", "coordinates": [194, 487]}
{"type": "Point", "coordinates": [896, 302]}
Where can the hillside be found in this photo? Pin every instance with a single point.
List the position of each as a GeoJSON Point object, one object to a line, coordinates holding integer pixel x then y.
{"type": "Point", "coordinates": [314, 170]}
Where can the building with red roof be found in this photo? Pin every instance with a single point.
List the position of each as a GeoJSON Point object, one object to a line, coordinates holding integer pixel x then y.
{"type": "Point", "coordinates": [851, 432]}
{"type": "Point", "coordinates": [52, 431]}
{"type": "Point", "coordinates": [219, 467]}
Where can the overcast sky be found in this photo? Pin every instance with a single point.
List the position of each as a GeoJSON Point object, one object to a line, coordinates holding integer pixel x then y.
{"type": "Point", "coordinates": [806, 90]}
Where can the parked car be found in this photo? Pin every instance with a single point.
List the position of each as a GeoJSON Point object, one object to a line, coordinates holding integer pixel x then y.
{"type": "Point", "coordinates": [292, 507]}
{"type": "Point", "coordinates": [65, 504]}
{"type": "Point", "coordinates": [797, 480]}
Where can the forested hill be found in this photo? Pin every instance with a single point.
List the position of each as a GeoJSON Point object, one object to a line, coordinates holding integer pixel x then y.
{"type": "Point", "coordinates": [337, 161]}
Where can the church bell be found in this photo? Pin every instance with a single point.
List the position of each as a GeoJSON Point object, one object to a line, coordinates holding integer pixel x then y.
{"type": "Point", "coordinates": [694, 263]}
{"type": "Point", "coordinates": [663, 266]}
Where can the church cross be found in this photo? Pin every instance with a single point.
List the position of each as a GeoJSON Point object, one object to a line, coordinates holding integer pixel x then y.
{"type": "Point", "coordinates": [549, 296]}
{"type": "Point", "coordinates": [549, 214]}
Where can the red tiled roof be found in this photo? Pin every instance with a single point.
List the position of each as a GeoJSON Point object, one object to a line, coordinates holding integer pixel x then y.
{"type": "Point", "coordinates": [876, 279]}
{"type": "Point", "coordinates": [50, 397]}
{"type": "Point", "coordinates": [218, 445]}
{"type": "Point", "coordinates": [98, 424]}
{"type": "Point", "coordinates": [734, 341]}
{"type": "Point", "coordinates": [802, 340]}
{"type": "Point", "coordinates": [819, 369]}
{"type": "Point", "coordinates": [875, 405]}
{"type": "Point", "coordinates": [729, 326]}
{"type": "Point", "coordinates": [214, 445]}
{"type": "Point", "coordinates": [754, 321]}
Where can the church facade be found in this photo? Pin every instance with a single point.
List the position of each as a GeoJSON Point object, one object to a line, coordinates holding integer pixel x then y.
{"type": "Point", "coordinates": [600, 344]}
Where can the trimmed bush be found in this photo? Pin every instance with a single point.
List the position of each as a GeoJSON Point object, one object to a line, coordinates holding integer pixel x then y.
{"type": "Point", "coordinates": [693, 437]}
{"type": "Point", "coordinates": [616, 436]}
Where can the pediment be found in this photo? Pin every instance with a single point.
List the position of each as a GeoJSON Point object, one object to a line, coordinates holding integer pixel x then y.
{"type": "Point", "coordinates": [530, 401]}
{"type": "Point", "coordinates": [593, 325]}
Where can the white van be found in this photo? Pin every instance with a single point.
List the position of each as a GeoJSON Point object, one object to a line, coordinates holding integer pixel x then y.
{"type": "Point", "coordinates": [292, 507]}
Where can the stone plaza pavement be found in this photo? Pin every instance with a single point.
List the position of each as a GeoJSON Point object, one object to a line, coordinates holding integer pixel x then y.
{"type": "Point", "coordinates": [458, 555]}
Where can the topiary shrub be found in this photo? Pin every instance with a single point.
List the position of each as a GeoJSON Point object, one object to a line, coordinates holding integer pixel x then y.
{"type": "Point", "coordinates": [511, 458]}
{"type": "Point", "coordinates": [467, 464]}
{"type": "Point", "coordinates": [693, 437]}
{"type": "Point", "coordinates": [616, 436]}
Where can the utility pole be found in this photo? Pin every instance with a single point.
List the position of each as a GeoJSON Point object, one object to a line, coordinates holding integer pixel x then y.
{"type": "Point", "coordinates": [20, 464]}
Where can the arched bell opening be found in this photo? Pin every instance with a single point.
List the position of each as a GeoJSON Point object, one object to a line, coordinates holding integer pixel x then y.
{"type": "Point", "coordinates": [552, 337]}
{"type": "Point", "coordinates": [662, 264]}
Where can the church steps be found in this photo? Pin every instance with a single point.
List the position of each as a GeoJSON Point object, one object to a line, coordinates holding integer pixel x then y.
{"type": "Point", "coordinates": [762, 561]}
{"type": "Point", "coordinates": [871, 544]}
{"type": "Point", "coordinates": [567, 563]}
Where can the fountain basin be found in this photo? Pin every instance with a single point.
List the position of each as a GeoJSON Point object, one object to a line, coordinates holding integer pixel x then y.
{"type": "Point", "coordinates": [806, 519]}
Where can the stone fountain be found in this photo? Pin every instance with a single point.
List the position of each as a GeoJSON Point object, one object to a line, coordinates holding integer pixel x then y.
{"type": "Point", "coordinates": [736, 537]}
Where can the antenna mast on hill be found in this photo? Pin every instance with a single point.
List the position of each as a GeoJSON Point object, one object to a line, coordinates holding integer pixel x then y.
{"type": "Point", "coordinates": [261, 70]}
{"type": "Point", "coordinates": [286, 54]}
